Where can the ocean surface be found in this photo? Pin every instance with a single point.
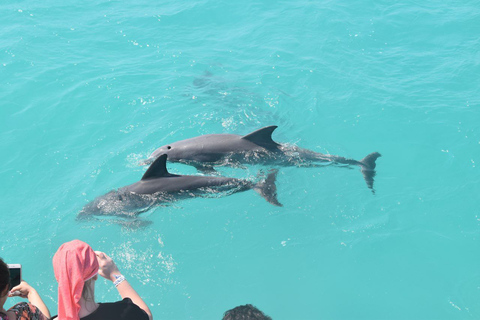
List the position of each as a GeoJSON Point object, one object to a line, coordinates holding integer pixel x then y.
{"type": "Point", "coordinates": [89, 89]}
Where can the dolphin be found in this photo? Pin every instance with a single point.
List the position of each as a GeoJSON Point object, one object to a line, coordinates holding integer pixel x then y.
{"type": "Point", "coordinates": [205, 152]}
{"type": "Point", "coordinates": [158, 186]}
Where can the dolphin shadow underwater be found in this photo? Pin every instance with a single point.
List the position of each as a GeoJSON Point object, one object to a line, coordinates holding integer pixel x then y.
{"type": "Point", "coordinates": [207, 151]}
{"type": "Point", "coordinates": [159, 187]}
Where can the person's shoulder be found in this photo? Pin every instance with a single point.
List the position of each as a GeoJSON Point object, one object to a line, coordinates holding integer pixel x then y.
{"type": "Point", "coordinates": [25, 310]}
{"type": "Point", "coordinates": [123, 309]}
{"type": "Point", "coordinates": [133, 309]}
{"type": "Point", "coordinates": [22, 307]}
{"type": "Point", "coordinates": [124, 302]}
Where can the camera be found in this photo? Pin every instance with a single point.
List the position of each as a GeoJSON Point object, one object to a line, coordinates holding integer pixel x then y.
{"type": "Point", "coordinates": [15, 275]}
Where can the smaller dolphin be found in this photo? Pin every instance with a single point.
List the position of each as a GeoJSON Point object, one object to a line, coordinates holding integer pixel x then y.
{"type": "Point", "coordinates": [158, 186]}
{"type": "Point", "coordinates": [258, 147]}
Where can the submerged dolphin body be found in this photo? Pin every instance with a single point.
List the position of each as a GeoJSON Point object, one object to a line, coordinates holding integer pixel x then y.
{"type": "Point", "coordinates": [158, 186]}
{"type": "Point", "coordinates": [258, 147]}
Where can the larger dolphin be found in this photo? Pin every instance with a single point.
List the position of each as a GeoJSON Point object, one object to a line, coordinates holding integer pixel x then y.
{"type": "Point", "coordinates": [258, 147]}
{"type": "Point", "coordinates": [159, 186]}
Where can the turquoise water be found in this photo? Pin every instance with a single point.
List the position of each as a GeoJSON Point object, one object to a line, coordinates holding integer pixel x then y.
{"type": "Point", "coordinates": [89, 89]}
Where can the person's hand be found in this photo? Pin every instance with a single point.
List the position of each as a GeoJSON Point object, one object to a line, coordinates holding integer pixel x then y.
{"type": "Point", "coordinates": [108, 268]}
{"type": "Point", "coordinates": [22, 290]}
{"type": "Point", "coordinates": [25, 290]}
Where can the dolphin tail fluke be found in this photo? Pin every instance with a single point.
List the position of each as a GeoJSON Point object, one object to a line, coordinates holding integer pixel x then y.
{"type": "Point", "coordinates": [368, 168]}
{"type": "Point", "coordinates": [268, 190]}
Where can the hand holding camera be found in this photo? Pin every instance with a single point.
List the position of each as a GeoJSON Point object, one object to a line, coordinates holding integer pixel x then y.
{"type": "Point", "coordinates": [18, 288]}
{"type": "Point", "coordinates": [108, 268]}
{"type": "Point", "coordinates": [23, 290]}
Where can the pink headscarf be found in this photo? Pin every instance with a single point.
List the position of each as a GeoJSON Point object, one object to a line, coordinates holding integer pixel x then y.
{"type": "Point", "coordinates": [74, 263]}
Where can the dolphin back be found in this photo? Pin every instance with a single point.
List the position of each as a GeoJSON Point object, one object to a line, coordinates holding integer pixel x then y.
{"type": "Point", "coordinates": [158, 169]}
{"type": "Point", "coordinates": [263, 137]}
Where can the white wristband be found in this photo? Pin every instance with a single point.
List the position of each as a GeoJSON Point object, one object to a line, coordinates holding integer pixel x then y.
{"type": "Point", "coordinates": [119, 279]}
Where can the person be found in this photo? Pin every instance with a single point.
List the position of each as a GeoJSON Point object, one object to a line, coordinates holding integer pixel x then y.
{"type": "Point", "coordinates": [76, 267]}
{"type": "Point", "coordinates": [245, 312]}
{"type": "Point", "coordinates": [35, 309]}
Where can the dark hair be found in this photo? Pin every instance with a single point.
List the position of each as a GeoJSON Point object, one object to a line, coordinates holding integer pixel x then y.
{"type": "Point", "coordinates": [246, 312]}
{"type": "Point", "coordinates": [4, 275]}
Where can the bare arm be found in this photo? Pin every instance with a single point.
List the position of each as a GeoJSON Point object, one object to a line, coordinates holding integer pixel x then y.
{"type": "Point", "coordinates": [109, 270]}
{"type": "Point", "coordinates": [27, 291]}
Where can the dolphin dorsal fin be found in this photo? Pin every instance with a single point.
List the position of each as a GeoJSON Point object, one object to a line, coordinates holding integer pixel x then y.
{"type": "Point", "coordinates": [262, 137]}
{"type": "Point", "coordinates": [157, 169]}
